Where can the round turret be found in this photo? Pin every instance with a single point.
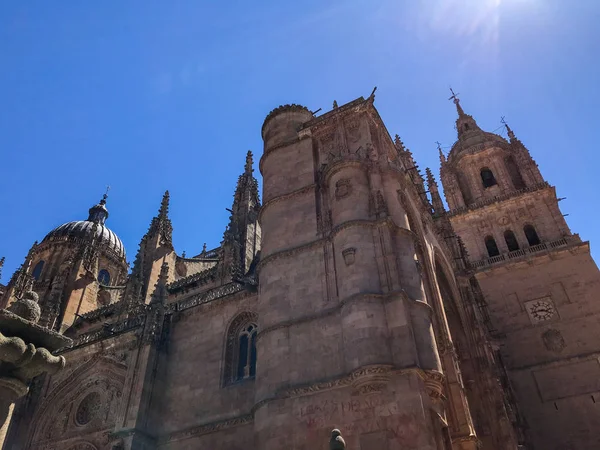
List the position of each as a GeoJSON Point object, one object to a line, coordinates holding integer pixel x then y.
{"type": "Point", "coordinates": [282, 124]}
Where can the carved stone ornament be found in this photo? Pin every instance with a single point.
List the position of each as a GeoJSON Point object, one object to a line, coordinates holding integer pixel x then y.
{"type": "Point", "coordinates": [504, 220]}
{"type": "Point", "coordinates": [343, 188]}
{"type": "Point", "coordinates": [181, 268]}
{"type": "Point", "coordinates": [553, 340]}
{"type": "Point", "coordinates": [348, 255]}
{"type": "Point", "coordinates": [353, 130]}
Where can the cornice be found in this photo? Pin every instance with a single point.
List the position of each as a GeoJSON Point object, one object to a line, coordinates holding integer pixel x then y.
{"type": "Point", "coordinates": [367, 223]}
{"type": "Point", "coordinates": [498, 198]}
{"type": "Point", "coordinates": [288, 196]}
{"type": "Point", "coordinates": [267, 151]}
{"type": "Point", "coordinates": [356, 298]}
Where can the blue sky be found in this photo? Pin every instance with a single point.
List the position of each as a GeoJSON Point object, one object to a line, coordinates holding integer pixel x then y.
{"type": "Point", "coordinates": [148, 96]}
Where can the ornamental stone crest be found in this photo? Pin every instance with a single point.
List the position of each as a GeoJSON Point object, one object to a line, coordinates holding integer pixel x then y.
{"type": "Point", "coordinates": [553, 340]}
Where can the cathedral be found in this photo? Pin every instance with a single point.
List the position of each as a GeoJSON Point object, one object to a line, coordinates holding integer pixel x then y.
{"type": "Point", "coordinates": [352, 297]}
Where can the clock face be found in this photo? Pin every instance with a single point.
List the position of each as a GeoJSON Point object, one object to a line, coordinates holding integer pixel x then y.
{"type": "Point", "coordinates": [540, 310]}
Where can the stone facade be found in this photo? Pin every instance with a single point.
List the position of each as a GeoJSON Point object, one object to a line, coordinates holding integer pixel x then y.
{"type": "Point", "coordinates": [347, 300]}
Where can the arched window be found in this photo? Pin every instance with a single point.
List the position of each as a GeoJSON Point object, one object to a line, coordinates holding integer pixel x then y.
{"type": "Point", "coordinates": [511, 241]}
{"type": "Point", "coordinates": [104, 277]}
{"type": "Point", "coordinates": [531, 235]}
{"type": "Point", "coordinates": [37, 270]}
{"type": "Point", "coordinates": [492, 248]}
{"type": "Point", "coordinates": [515, 174]}
{"type": "Point", "coordinates": [240, 351]}
{"type": "Point", "coordinates": [488, 178]}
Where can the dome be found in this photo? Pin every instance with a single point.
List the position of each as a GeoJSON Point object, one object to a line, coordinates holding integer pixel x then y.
{"type": "Point", "coordinates": [476, 138]}
{"type": "Point", "coordinates": [82, 229]}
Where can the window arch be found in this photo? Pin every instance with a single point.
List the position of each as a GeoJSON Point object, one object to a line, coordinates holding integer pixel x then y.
{"type": "Point", "coordinates": [104, 277]}
{"type": "Point", "coordinates": [37, 270]}
{"type": "Point", "coordinates": [511, 241]}
{"type": "Point", "coordinates": [492, 248]}
{"type": "Point", "coordinates": [487, 177]}
{"type": "Point", "coordinates": [531, 235]}
{"type": "Point", "coordinates": [240, 351]}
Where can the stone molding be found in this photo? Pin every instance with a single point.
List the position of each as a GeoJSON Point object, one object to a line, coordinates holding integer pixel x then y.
{"type": "Point", "coordinates": [361, 297]}
{"type": "Point", "coordinates": [312, 244]}
{"type": "Point", "coordinates": [269, 150]}
{"type": "Point", "coordinates": [499, 198]}
{"type": "Point", "coordinates": [206, 297]}
{"type": "Point", "coordinates": [288, 196]}
{"type": "Point", "coordinates": [207, 428]}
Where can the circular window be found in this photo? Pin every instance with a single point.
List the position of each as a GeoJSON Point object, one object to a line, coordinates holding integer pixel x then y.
{"type": "Point", "coordinates": [88, 409]}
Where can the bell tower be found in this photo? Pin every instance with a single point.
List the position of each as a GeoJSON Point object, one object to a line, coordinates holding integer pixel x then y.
{"type": "Point", "coordinates": [538, 279]}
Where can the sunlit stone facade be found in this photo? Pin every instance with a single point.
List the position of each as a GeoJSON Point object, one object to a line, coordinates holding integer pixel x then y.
{"type": "Point", "coordinates": [350, 298]}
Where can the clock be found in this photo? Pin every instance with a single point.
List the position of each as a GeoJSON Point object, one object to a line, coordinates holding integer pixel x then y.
{"type": "Point", "coordinates": [540, 310]}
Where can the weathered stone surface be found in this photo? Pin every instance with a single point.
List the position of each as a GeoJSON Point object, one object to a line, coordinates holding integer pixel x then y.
{"type": "Point", "coordinates": [350, 300]}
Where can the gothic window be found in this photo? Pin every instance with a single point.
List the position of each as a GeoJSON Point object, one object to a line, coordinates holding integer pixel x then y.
{"type": "Point", "coordinates": [104, 277]}
{"type": "Point", "coordinates": [488, 178]}
{"type": "Point", "coordinates": [531, 235]}
{"type": "Point", "coordinates": [37, 270]}
{"type": "Point", "coordinates": [511, 241]}
{"type": "Point", "coordinates": [492, 248]}
{"type": "Point", "coordinates": [240, 352]}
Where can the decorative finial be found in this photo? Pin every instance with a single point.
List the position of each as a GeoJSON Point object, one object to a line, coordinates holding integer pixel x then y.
{"type": "Point", "coordinates": [336, 442]}
{"type": "Point", "coordinates": [183, 254]}
{"type": "Point", "coordinates": [105, 196]}
{"type": "Point", "coordinates": [249, 163]}
{"type": "Point", "coordinates": [98, 213]}
{"type": "Point", "coordinates": [1, 265]}
{"type": "Point", "coordinates": [511, 135]}
{"type": "Point", "coordinates": [372, 96]}
{"type": "Point", "coordinates": [335, 105]}
{"type": "Point", "coordinates": [456, 100]}
{"type": "Point", "coordinates": [164, 205]}
{"type": "Point", "coordinates": [430, 178]}
{"type": "Point", "coordinates": [440, 151]}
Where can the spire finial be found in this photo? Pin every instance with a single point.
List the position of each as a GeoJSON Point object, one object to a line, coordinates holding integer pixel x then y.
{"type": "Point", "coordinates": [510, 132]}
{"type": "Point", "coordinates": [436, 200]}
{"type": "Point", "coordinates": [105, 196]}
{"type": "Point", "coordinates": [456, 100]}
{"type": "Point", "coordinates": [441, 152]}
{"type": "Point", "coordinates": [98, 213]}
{"type": "Point", "coordinates": [249, 163]}
{"type": "Point", "coordinates": [164, 206]}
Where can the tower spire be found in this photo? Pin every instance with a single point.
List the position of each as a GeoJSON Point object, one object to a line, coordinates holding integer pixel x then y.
{"type": "Point", "coordinates": [456, 100]}
{"type": "Point", "coordinates": [441, 153]}
{"type": "Point", "coordinates": [436, 199]}
{"type": "Point", "coordinates": [161, 224]}
{"type": "Point", "coordinates": [465, 123]}
{"type": "Point", "coordinates": [510, 132]}
{"type": "Point", "coordinates": [163, 211]}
